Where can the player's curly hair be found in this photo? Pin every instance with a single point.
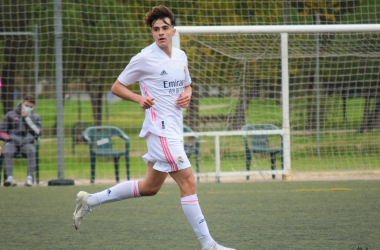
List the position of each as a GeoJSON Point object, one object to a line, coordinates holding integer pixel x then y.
{"type": "Point", "coordinates": [159, 13]}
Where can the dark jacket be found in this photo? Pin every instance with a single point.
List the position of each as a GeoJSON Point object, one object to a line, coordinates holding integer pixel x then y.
{"type": "Point", "coordinates": [18, 129]}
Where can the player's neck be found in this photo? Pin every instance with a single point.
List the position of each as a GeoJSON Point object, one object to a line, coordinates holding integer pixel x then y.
{"type": "Point", "coordinates": [167, 50]}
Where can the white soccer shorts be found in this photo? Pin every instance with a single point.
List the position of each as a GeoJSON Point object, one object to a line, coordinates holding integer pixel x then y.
{"type": "Point", "coordinates": [167, 154]}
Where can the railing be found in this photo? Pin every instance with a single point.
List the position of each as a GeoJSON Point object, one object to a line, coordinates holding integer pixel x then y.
{"type": "Point", "coordinates": [217, 134]}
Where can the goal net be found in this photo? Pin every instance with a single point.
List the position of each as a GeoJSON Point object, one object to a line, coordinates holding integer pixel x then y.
{"type": "Point", "coordinates": [238, 80]}
{"type": "Point", "coordinates": [332, 95]}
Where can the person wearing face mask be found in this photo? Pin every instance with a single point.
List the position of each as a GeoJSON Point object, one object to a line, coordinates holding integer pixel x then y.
{"type": "Point", "coordinates": [20, 128]}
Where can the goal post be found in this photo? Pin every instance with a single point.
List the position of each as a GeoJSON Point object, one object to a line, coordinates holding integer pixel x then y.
{"type": "Point", "coordinates": [283, 31]}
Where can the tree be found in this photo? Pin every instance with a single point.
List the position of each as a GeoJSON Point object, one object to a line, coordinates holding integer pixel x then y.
{"type": "Point", "coordinates": [100, 37]}
{"type": "Point", "coordinates": [97, 43]}
{"type": "Point", "coordinates": [329, 12]}
{"type": "Point", "coordinates": [15, 16]}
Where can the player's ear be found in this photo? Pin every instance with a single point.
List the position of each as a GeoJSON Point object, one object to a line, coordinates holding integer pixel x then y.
{"type": "Point", "coordinates": [174, 31]}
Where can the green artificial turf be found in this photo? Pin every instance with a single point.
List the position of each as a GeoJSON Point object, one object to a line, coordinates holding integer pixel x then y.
{"type": "Point", "coordinates": [251, 215]}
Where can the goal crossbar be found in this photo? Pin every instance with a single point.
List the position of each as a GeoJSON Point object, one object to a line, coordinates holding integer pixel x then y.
{"type": "Point", "coordinates": [277, 29]}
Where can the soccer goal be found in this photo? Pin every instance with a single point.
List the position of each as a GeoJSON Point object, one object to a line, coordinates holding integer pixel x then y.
{"type": "Point", "coordinates": [313, 82]}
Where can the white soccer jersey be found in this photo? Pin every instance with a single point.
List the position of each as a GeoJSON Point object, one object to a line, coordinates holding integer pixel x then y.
{"type": "Point", "coordinates": [164, 79]}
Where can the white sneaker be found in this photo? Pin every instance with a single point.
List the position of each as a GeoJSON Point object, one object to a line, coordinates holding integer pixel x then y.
{"type": "Point", "coordinates": [81, 208]}
{"type": "Point", "coordinates": [216, 246]}
{"type": "Point", "coordinates": [29, 182]}
{"type": "Point", "coordinates": [10, 182]}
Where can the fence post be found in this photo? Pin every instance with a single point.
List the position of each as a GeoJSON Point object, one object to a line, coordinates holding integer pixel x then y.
{"type": "Point", "coordinates": [217, 159]}
{"type": "Point", "coordinates": [36, 66]}
{"type": "Point", "coordinates": [59, 88]}
{"type": "Point", "coordinates": [285, 104]}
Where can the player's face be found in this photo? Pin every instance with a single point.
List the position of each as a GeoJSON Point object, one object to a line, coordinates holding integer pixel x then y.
{"type": "Point", "coordinates": [163, 32]}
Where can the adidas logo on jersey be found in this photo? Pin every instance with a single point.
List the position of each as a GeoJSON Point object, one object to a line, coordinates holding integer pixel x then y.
{"type": "Point", "coordinates": [163, 73]}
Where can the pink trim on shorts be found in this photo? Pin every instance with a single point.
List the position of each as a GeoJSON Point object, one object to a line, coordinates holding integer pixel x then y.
{"type": "Point", "coordinates": [168, 155]}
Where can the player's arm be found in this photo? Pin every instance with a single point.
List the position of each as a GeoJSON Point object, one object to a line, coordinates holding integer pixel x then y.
{"type": "Point", "coordinates": [184, 100]}
{"type": "Point", "coordinates": [123, 92]}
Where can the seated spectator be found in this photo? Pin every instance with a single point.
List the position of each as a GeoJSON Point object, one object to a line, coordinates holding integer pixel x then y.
{"type": "Point", "coordinates": [19, 129]}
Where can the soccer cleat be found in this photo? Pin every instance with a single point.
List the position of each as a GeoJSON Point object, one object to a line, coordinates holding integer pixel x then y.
{"type": "Point", "coordinates": [216, 246]}
{"type": "Point", "coordinates": [81, 208]}
{"type": "Point", "coordinates": [29, 182]}
{"type": "Point", "coordinates": [10, 182]}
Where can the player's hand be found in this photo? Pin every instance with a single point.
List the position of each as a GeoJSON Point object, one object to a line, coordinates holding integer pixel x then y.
{"type": "Point", "coordinates": [184, 100]}
{"type": "Point", "coordinates": [146, 102]}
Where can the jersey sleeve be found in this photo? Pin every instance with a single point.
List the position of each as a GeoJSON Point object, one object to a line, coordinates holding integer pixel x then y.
{"type": "Point", "coordinates": [134, 72]}
{"type": "Point", "coordinates": [187, 73]}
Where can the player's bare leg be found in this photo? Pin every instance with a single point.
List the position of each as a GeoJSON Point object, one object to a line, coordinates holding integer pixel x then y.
{"type": "Point", "coordinates": [186, 181]}
{"type": "Point", "coordinates": [189, 200]}
{"type": "Point", "coordinates": [128, 189]}
{"type": "Point", "coordinates": [152, 182]}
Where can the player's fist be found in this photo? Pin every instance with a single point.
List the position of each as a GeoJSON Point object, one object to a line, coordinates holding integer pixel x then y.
{"type": "Point", "coordinates": [146, 102]}
{"type": "Point", "coordinates": [184, 100]}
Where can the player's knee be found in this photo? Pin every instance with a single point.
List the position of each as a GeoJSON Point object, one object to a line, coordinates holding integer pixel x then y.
{"type": "Point", "coordinates": [190, 183]}
{"type": "Point", "coordinates": [190, 189]}
{"type": "Point", "coordinates": [152, 191]}
{"type": "Point", "coordinates": [148, 190]}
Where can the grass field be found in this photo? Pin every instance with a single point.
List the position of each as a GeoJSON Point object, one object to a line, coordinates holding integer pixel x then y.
{"type": "Point", "coordinates": [255, 215]}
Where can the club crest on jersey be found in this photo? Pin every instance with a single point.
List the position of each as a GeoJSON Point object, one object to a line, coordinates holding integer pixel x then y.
{"type": "Point", "coordinates": [180, 160]}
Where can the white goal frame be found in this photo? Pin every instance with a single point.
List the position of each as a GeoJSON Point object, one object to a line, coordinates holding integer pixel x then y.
{"type": "Point", "coordinates": [285, 131]}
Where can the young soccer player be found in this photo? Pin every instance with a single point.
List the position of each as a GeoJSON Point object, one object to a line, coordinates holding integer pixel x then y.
{"type": "Point", "coordinates": [164, 81]}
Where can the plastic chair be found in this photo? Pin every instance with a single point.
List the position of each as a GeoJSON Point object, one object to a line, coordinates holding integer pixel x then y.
{"type": "Point", "coordinates": [20, 156]}
{"type": "Point", "coordinates": [260, 144]}
{"type": "Point", "coordinates": [99, 139]}
{"type": "Point", "coordinates": [192, 148]}
{"type": "Point", "coordinates": [77, 132]}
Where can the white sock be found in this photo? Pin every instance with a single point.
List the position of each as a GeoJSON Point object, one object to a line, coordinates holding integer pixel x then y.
{"type": "Point", "coordinates": [29, 177]}
{"type": "Point", "coordinates": [194, 215]}
{"type": "Point", "coordinates": [10, 177]}
{"type": "Point", "coordinates": [121, 191]}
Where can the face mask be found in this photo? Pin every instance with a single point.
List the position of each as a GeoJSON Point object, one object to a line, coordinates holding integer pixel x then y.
{"type": "Point", "coordinates": [27, 109]}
